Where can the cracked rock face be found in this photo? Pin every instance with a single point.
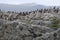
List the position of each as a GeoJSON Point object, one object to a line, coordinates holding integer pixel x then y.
{"type": "Point", "coordinates": [22, 32]}
{"type": "Point", "coordinates": [15, 27]}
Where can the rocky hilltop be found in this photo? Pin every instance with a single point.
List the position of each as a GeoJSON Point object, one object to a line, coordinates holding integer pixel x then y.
{"type": "Point", "coordinates": [43, 24]}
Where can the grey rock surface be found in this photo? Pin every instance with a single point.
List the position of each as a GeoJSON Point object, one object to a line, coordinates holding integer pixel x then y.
{"type": "Point", "coordinates": [35, 26]}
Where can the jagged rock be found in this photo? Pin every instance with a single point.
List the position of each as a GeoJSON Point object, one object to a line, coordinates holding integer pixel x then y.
{"type": "Point", "coordinates": [39, 30]}
{"type": "Point", "coordinates": [37, 22]}
{"type": "Point", "coordinates": [28, 38]}
{"type": "Point", "coordinates": [46, 16]}
{"type": "Point", "coordinates": [1, 34]}
{"type": "Point", "coordinates": [13, 26]}
{"type": "Point", "coordinates": [25, 32]}
{"type": "Point", "coordinates": [50, 36]}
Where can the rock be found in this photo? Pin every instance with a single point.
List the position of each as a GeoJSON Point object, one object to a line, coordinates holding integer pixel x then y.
{"type": "Point", "coordinates": [25, 32]}
{"type": "Point", "coordinates": [1, 34]}
{"type": "Point", "coordinates": [14, 26]}
{"type": "Point", "coordinates": [50, 36]}
{"type": "Point", "coordinates": [28, 38]}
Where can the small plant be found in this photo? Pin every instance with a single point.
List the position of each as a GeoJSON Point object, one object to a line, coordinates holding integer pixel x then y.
{"type": "Point", "coordinates": [28, 20]}
{"type": "Point", "coordinates": [55, 22]}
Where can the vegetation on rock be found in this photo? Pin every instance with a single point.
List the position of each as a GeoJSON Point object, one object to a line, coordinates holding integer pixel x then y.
{"type": "Point", "coordinates": [55, 22]}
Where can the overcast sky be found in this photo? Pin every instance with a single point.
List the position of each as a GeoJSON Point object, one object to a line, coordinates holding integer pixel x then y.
{"type": "Point", "coordinates": [42, 2]}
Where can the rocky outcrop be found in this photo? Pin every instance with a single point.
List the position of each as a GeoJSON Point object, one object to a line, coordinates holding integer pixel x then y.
{"type": "Point", "coordinates": [21, 31]}
{"type": "Point", "coordinates": [33, 26]}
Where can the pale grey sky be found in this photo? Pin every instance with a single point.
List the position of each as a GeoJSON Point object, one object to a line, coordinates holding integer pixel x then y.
{"type": "Point", "coordinates": [42, 2]}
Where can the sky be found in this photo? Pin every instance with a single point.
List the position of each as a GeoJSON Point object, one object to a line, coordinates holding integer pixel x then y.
{"type": "Point", "coordinates": [42, 2]}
